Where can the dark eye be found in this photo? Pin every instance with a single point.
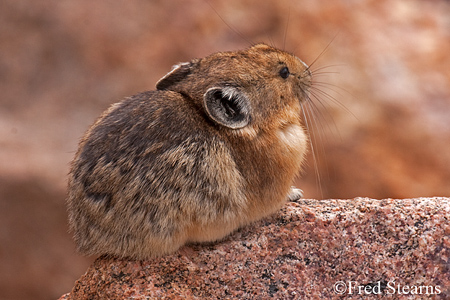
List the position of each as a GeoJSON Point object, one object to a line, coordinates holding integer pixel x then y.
{"type": "Point", "coordinates": [284, 72]}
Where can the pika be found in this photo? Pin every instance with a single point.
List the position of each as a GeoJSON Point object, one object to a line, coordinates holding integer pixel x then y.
{"type": "Point", "coordinates": [216, 146]}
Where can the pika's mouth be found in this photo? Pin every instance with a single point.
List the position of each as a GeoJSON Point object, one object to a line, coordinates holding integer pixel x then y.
{"type": "Point", "coordinates": [304, 86]}
{"type": "Point", "coordinates": [304, 78]}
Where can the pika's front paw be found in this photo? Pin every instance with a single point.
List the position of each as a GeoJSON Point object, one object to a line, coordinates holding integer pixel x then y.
{"type": "Point", "coordinates": [295, 194]}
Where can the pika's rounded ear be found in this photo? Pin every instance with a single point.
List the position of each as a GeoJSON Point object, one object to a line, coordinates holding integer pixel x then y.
{"type": "Point", "coordinates": [178, 73]}
{"type": "Point", "coordinates": [227, 106]}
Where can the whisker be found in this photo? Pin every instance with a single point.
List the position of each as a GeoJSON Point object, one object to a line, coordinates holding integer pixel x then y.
{"type": "Point", "coordinates": [326, 67]}
{"type": "Point", "coordinates": [311, 134]}
{"type": "Point", "coordinates": [271, 40]}
{"type": "Point", "coordinates": [331, 87]}
{"type": "Point", "coordinates": [234, 29]}
{"type": "Point", "coordinates": [318, 74]}
{"type": "Point", "coordinates": [287, 26]}
{"type": "Point", "coordinates": [316, 91]}
{"type": "Point", "coordinates": [321, 53]}
{"type": "Point", "coordinates": [328, 86]}
{"type": "Point", "coordinates": [322, 113]}
{"type": "Point", "coordinates": [325, 94]}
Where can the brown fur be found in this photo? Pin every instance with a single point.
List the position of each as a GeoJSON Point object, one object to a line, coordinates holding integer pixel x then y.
{"type": "Point", "coordinates": [156, 170]}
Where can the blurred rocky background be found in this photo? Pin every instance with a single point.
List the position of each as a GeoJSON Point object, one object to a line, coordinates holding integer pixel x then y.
{"type": "Point", "coordinates": [380, 128]}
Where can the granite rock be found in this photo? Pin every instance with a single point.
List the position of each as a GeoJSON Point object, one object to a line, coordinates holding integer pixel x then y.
{"type": "Point", "coordinates": [330, 249]}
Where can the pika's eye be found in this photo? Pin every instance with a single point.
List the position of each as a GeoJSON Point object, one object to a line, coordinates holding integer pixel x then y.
{"type": "Point", "coordinates": [284, 72]}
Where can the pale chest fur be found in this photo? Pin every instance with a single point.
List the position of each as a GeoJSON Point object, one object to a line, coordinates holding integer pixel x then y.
{"type": "Point", "coordinates": [292, 136]}
{"type": "Point", "coordinates": [292, 141]}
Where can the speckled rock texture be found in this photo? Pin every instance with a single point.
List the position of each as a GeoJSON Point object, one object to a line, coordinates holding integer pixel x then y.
{"type": "Point", "coordinates": [330, 249]}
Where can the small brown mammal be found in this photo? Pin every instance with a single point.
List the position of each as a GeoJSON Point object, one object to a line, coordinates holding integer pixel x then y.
{"type": "Point", "coordinates": [215, 147]}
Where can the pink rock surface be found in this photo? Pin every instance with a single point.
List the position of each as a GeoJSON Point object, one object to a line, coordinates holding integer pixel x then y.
{"type": "Point", "coordinates": [331, 249]}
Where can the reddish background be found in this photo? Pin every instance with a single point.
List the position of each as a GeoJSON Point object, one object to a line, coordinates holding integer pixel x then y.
{"type": "Point", "coordinates": [63, 62]}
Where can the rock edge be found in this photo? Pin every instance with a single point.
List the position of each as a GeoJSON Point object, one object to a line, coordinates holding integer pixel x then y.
{"type": "Point", "coordinates": [330, 249]}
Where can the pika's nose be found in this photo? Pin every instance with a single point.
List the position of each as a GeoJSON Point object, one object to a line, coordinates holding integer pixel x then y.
{"type": "Point", "coordinates": [306, 72]}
